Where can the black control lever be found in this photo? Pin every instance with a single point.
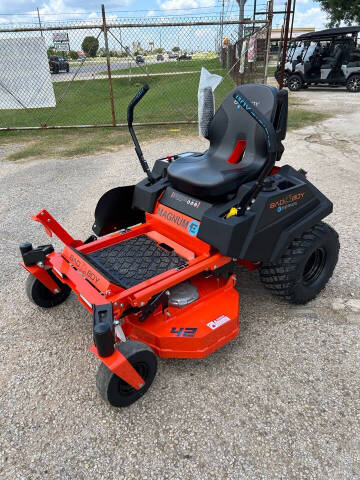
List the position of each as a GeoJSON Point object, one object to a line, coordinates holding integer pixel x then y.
{"type": "Point", "coordinates": [130, 117]}
{"type": "Point", "coordinates": [271, 143]}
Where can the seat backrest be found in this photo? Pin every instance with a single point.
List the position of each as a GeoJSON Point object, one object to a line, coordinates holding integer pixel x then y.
{"type": "Point", "coordinates": [231, 127]}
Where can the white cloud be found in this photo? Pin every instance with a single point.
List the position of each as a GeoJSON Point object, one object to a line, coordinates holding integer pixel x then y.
{"type": "Point", "coordinates": [150, 13]}
{"type": "Point", "coordinates": [313, 17]}
{"type": "Point", "coordinates": [56, 7]}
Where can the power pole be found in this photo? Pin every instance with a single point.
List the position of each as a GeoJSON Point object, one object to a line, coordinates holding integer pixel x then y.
{"type": "Point", "coordinates": [41, 32]}
{"type": "Point", "coordinates": [241, 25]}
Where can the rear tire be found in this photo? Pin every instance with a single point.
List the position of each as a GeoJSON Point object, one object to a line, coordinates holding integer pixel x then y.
{"type": "Point", "coordinates": [353, 83]}
{"type": "Point", "coordinates": [305, 267]}
{"type": "Point", "coordinates": [295, 83]}
{"type": "Point", "coordinates": [116, 391]}
{"type": "Point", "coordinates": [42, 297]}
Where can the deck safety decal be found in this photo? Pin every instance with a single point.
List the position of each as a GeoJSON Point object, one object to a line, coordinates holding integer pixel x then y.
{"type": "Point", "coordinates": [218, 322]}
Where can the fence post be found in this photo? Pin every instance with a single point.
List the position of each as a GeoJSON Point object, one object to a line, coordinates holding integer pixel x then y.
{"type": "Point", "coordinates": [268, 38]}
{"type": "Point", "coordinates": [108, 66]}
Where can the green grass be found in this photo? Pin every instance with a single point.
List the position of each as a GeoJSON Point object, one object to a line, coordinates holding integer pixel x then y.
{"type": "Point", "coordinates": [271, 71]}
{"type": "Point", "coordinates": [87, 141]}
{"type": "Point", "coordinates": [299, 118]}
{"type": "Point", "coordinates": [86, 102]}
{"type": "Point", "coordinates": [172, 97]}
{"type": "Point", "coordinates": [80, 142]}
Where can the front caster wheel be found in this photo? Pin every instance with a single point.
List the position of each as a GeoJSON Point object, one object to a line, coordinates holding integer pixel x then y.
{"type": "Point", "coordinates": [42, 296]}
{"type": "Point", "coordinates": [305, 267]}
{"type": "Point", "coordinates": [116, 391]}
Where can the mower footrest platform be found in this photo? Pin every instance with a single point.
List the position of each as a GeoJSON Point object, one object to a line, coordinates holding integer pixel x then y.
{"type": "Point", "coordinates": [133, 261]}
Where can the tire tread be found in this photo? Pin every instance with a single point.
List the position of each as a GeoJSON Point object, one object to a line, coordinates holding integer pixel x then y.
{"type": "Point", "coordinates": [281, 278]}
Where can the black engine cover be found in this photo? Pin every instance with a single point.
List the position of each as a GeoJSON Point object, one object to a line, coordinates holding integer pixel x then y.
{"type": "Point", "coordinates": [272, 222]}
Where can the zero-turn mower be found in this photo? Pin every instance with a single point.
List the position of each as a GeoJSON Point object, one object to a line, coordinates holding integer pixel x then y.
{"type": "Point", "coordinates": [158, 275]}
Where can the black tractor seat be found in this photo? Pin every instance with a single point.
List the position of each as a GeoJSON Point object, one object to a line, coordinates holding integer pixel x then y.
{"type": "Point", "coordinates": [237, 149]}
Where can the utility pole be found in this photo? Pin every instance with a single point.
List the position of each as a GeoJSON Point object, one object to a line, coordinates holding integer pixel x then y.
{"type": "Point", "coordinates": [41, 32]}
{"type": "Point", "coordinates": [241, 25]}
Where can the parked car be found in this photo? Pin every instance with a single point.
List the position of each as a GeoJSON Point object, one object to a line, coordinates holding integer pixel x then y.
{"type": "Point", "coordinates": [173, 55]}
{"type": "Point", "coordinates": [58, 64]}
{"type": "Point", "coordinates": [139, 59]}
{"type": "Point", "coordinates": [81, 59]}
{"type": "Point", "coordinates": [159, 57]}
{"type": "Point", "coordinates": [185, 56]}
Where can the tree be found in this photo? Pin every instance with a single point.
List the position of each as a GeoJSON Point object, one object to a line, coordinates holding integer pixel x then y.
{"type": "Point", "coordinates": [176, 49]}
{"type": "Point", "coordinates": [340, 11]}
{"type": "Point", "coordinates": [90, 45]}
{"type": "Point", "coordinates": [73, 55]}
{"type": "Point", "coordinates": [158, 50]}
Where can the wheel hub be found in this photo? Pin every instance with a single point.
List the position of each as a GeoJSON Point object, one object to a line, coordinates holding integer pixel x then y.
{"type": "Point", "coordinates": [355, 83]}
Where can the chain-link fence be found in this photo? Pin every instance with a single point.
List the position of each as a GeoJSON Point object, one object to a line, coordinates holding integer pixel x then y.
{"type": "Point", "coordinates": [83, 74]}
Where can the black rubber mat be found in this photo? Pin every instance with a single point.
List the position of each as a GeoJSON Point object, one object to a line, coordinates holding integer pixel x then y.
{"type": "Point", "coordinates": [133, 261]}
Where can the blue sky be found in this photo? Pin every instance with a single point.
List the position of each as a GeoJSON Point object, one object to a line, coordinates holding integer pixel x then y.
{"type": "Point", "coordinates": [308, 12]}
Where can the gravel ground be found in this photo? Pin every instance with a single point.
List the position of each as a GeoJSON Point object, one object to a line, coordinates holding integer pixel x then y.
{"type": "Point", "coordinates": [279, 402]}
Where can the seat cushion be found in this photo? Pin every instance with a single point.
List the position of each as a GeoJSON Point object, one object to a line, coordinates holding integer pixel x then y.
{"type": "Point", "coordinates": [197, 176]}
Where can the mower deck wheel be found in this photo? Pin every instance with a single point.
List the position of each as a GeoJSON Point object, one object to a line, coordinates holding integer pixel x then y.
{"type": "Point", "coordinates": [116, 391]}
{"type": "Point", "coordinates": [305, 267]}
{"type": "Point", "coordinates": [42, 296]}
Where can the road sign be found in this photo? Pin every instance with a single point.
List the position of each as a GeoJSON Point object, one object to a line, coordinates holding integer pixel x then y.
{"type": "Point", "coordinates": [60, 37]}
{"type": "Point", "coordinates": [61, 46]}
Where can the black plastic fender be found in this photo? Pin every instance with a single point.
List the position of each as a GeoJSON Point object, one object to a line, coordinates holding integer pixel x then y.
{"type": "Point", "coordinates": [114, 211]}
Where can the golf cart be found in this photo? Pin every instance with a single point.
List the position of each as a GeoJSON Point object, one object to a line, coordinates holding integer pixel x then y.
{"type": "Point", "coordinates": [293, 57]}
{"type": "Point", "coordinates": [159, 275]}
{"type": "Point", "coordinates": [329, 56]}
